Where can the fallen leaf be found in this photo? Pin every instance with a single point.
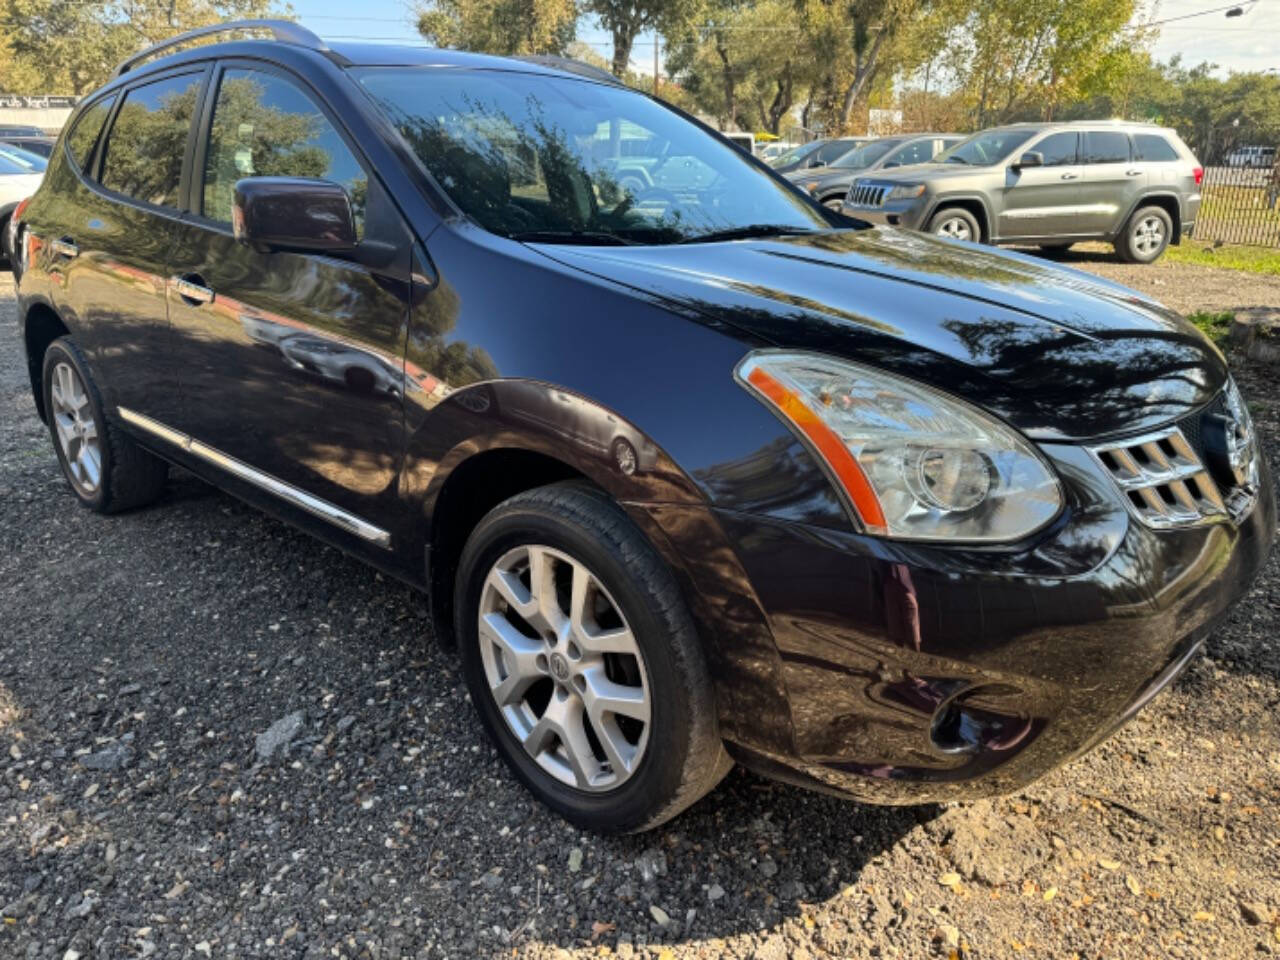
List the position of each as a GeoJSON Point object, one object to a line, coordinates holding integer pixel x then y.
{"type": "Point", "coordinates": [1106, 864]}
{"type": "Point", "coordinates": [1202, 916]}
{"type": "Point", "coordinates": [177, 890]}
{"type": "Point", "coordinates": [599, 929]}
{"type": "Point", "coordinates": [1131, 882]}
{"type": "Point", "coordinates": [1051, 893]}
{"type": "Point", "coordinates": [659, 915]}
{"type": "Point", "coordinates": [950, 880]}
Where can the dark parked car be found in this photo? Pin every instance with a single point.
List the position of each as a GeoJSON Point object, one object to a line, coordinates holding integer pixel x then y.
{"type": "Point", "coordinates": [826, 153]}
{"type": "Point", "coordinates": [711, 478]}
{"type": "Point", "coordinates": [831, 183]}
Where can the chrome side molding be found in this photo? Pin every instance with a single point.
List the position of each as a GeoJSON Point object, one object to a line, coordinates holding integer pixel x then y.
{"type": "Point", "coordinates": [264, 481]}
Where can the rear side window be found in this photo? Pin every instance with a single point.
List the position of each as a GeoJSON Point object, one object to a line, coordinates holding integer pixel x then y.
{"type": "Point", "coordinates": [144, 149]}
{"type": "Point", "coordinates": [1152, 146]}
{"type": "Point", "coordinates": [1106, 146]}
{"type": "Point", "coordinates": [834, 150]}
{"type": "Point", "coordinates": [919, 152]}
{"type": "Point", "coordinates": [84, 135]}
{"type": "Point", "coordinates": [1058, 149]}
{"type": "Point", "coordinates": [264, 126]}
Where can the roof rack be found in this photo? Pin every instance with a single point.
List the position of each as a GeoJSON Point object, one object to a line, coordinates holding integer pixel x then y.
{"type": "Point", "coordinates": [284, 31]}
{"type": "Point", "coordinates": [569, 65]}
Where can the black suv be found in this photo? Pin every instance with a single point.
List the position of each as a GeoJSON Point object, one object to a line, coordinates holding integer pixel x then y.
{"type": "Point", "coordinates": [689, 476]}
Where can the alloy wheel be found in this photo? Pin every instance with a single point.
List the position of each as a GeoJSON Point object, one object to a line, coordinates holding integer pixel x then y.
{"type": "Point", "coordinates": [954, 228]}
{"type": "Point", "coordinates": [564, 668]}
{"type": "Point", "coordinates": [1148, 235]}
{"type": "Point", "coordinates": [76, 428]}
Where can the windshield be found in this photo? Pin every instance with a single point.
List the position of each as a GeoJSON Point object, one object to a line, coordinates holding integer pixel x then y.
{"type": "Point", "coordinates": [555, 159]}
{"type": "Point", "coordinates": [17, 160]}
{"type": "Point", "coordinates": [984, 149]}
{"type": "Point", "coordinates": [795, 153]}
{"type": "Point", "coordinates": [865, 155]}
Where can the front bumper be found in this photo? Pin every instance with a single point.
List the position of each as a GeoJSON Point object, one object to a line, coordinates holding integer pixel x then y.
{"type": "Point", "coordinates": [899, 673]}
{"type": "Point", "coordinates": [908, 213]}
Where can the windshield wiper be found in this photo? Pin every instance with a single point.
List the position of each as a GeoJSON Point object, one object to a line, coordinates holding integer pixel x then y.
{"type": "Point", "coordinates": [747, 232]}
{"type": "Point", "coordinates": [571, 236]}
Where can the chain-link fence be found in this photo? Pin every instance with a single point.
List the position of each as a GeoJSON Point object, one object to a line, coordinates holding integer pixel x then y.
{"type": "Point", "coordinates": [1241, 195]}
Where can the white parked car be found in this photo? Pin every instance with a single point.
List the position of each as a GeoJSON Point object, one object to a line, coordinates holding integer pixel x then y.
{"type": "Point", "coordinates": [1251, 157]}
{"type": "Point", "coordinates": [20, 175]}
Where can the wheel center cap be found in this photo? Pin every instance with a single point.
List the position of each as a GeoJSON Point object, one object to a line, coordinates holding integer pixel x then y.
{"type": "Point", "coordinates": [559, 667]}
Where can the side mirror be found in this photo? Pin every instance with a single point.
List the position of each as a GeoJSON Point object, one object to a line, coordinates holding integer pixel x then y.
{"type": "Point", "coordinates": [1032, 158]}
{"type": "Point", "coordinates": [817, 163]}
{"type": "Point", "coordinates": [293, 213]}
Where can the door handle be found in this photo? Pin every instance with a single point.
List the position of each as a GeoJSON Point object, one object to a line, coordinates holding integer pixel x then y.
{"type": "Point", "coordinates": [65, 247]}
{"type": "Point", "coordinates": [1132, 173]}
{"type": "Point", "coordinates": [1069, 176]}
{"type": "Point", "coordinates": [191, 291]}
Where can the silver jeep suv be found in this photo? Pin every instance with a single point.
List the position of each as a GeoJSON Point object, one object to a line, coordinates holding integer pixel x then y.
{"type": "Point", "coordinates": [1050, 184]}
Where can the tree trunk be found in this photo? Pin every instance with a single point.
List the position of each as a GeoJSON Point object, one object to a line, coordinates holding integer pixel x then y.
{"type": "Point", "coordinates": [624, 35]}
{"type": "Point", "coordinates": [782, 100]}
{"type": "Point", "coordinates": [730, 99]}
{"type": "Point", "coordinates": [864, 71]}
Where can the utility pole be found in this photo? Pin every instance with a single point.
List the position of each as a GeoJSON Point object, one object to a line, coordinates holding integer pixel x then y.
{"type": "Point", "coordinates": [655, 61]}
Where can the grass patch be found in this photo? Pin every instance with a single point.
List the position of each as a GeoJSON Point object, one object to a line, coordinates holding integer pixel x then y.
{"type": "Point", "coordinates": [1250, 259]}
{"type": "Point", "coordinates": [1215, 326]}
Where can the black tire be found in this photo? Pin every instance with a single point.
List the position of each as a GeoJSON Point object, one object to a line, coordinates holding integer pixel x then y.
{"type": "Point", "coordinates": [129, 476]}
{"type": "Point", "coordinates": [684, 757]}
{"type": "Point", "coordinates": [834, 202]}
{"type": "Point", "coordinates": [1135, 244]}
{"type": "Point", "coordinates": [939, 224]}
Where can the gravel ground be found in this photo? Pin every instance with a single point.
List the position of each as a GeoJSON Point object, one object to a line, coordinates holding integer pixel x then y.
{"type": "Point", "coordinates": [143, 657]}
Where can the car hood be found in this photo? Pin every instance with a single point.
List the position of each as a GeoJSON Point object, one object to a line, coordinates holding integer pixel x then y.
{"type": "Point", "coordinates": [1059, 353]}
{"type": "Point", "coordinates": [823, 174]}
{"type": "Point", "coordinates": [923, 172]}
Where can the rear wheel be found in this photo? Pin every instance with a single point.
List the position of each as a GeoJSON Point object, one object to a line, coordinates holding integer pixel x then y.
{"type": "Point", "coordinates": [1145, 235]}
{"type": "Point", "coordinates": [104, 467]}
{"type": "Point", "coordinates": [955, 223]}
{"type": "Point", "coordinates": [583, 662]}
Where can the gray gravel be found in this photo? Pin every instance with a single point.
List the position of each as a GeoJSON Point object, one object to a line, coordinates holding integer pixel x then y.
{"type": "Point", "coordinates": [219, 738]}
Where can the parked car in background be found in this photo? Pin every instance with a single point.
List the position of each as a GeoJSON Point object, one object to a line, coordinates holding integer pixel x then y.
{"type": "Point", "coordinates": [829, 185]}
{"type": "Point", "coordinates": [828, 152]}
{"type": "Point", "coordinates": [771, 150]}
{"type": "Point", "coordinates": [1134, 185]}
{"type": "Point", "coordinates": [713, 478]}
{"type": "Point", "coordinates": [20, 130]}
{"type": "Point", "coordinates": [39, 145]}
{"type": "Point", "coordinates": [1251, 157]}
{"type": "Point", "coordinates": [20, 175]}
{"type": "Point", "coordinates": [745, 141]}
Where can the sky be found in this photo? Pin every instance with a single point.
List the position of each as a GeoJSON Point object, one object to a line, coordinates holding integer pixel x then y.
{"type": "Point", "coordinates": [1248, 42]}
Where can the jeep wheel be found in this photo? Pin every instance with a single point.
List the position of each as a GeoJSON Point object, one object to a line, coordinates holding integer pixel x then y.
{"type": "Point", "coordinates": [104, 467]}
{"type": "Point", "coordinates": [1145, 235]}
{"type": "Point", "coordinates": [584, 663]}
{"type": "Point", "coordinates": [955, 223]}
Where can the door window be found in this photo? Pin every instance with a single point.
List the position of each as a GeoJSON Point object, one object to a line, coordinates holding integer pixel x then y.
{"type": "Point", "coordinates": [1058, 149]}
{"type": "Point", "coordinates": [1153, 147]}
{"type": "Point", "coordinates": [1106, 146]}
{"type": "Point", "coordinates": [84, 134]}
{"type": "Point", "coordinates": [265, 126]}
{"type": "Point", "coordinates": [144, 150]}
{"type": "Point", "coordinates": [921, 151]}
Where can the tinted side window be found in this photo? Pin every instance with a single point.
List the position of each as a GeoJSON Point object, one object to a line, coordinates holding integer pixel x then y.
{"type": "Point", "coordinates": [833, 150]}
{"type": "Point", "coordinates": [143, 154]}
{"type": "Point", "coordinates": [919, 152]}
{"type": "Point", "coordinates": [264, 126]}
{"type": "Point", "coordinates": [84, 135]}
{"type": "Point", "coordinates": [1106, 146]}
{"type": "Point", "coordinates": [1152, 146]}
{"type": "Point", "coordinates": [1059, 149]}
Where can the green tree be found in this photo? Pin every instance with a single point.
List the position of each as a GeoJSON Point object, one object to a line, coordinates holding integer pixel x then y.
{"type": "Point", "coordinates": [505, 27]}
{"type": "Point", "coordinates": [627, 19]}
{"type": "Point", "coordinates": [71, 47]}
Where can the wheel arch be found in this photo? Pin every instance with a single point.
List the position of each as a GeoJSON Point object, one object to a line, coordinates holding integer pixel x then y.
{"type": "Point", "coordinates": [41, 326]}
{"type": "Point", "coordinates": [1164, 200]}
{"type": "Point", "coordinates": [971, 202]}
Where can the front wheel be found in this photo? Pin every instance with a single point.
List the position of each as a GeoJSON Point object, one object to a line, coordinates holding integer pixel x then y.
{"type": "Point", "coordinates": [955, 223]}
{"type": "Point", "coordinates": [1145, 235]}
{"type": "Point", "coordinates": [584, 663]}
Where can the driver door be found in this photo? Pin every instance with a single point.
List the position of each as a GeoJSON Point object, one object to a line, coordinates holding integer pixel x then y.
{"type": "Point", "coordinates": [1044, 201]}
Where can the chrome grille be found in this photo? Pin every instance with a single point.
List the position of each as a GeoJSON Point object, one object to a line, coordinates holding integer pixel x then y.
{"type": "Point", "coordinates": [1163, 479]}
{"type": "Point", "coordinates": [863, 194]}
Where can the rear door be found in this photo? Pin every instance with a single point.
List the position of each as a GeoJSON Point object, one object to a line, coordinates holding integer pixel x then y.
{"type": "Point", "coordinates": [1113, 180]}
{"type": "Point", "coordinates": [113, 241]}
{"type": "Point", "coordinates": [1043, 201]}
{"type": "Point", "coordinates": [292, 363]}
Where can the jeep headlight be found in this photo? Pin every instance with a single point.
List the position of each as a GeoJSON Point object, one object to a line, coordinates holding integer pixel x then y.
{"type": "Point", "coordinates": [906, 191]}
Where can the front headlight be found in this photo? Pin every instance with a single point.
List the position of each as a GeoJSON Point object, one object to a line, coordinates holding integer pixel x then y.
{"type": "Point", "coordinates": [912, 462]}
{"type": "Point", "coordinates": [906, 191]}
